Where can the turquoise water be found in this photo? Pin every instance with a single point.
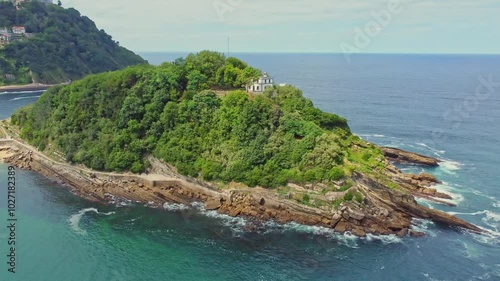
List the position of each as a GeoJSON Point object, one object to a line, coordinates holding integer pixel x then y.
{"type": "Point", "coordinates": [394, 100]}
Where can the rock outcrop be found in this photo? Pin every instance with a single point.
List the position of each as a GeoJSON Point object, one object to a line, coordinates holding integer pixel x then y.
{"type": "Point", "coordinates": [405, 157]}
{"type": "Point", "coordinates": [382, 211]}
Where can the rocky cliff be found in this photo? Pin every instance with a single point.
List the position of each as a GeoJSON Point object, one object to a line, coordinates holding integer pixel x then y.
{"type": "Point", "coordinates": [382, 211]}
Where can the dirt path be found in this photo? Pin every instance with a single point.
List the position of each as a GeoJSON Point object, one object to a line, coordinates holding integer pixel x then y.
{"type": "Point", "coordinates": [80, 169]}
{"type": "Point", "coordinates": [28, 87]}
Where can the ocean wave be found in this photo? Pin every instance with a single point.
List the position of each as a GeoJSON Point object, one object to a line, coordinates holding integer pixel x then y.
{"type": "Point", "coordinates": [449, 166]}
{"type": "Point", "coordinates": [174, 207]}
{"type": "Point", "coordinates": [450, 190]}
{"type": "Point", "coordinates": [329, 235]}
{"type": "Point", "coordinates": [434, 151]}
{"type": "Point", "coordinates": [425, 202]}
{"type": "Point", "coordinates": [372, 135]}
{"type": "Point", "coordinates": [468, 214]}
{"type": "Point", "coordinates": [21, 92]}
{"type": "Point", "coordinates": [423, 225]}
{"type": "Point", "coordinates": [385, 239]}
{"type": "Point", "coordinates": [23, 98]}
{"type": "Point", "coordinates": [236, 224]}
{"type": "Point", "coordinates": [490, 237]}
{"type": "Point", "coordinates": [426, 275]}
{"type": "Point", "coordinates": [119, 201]}
{"type": "Point", "coordinates": [490, 218]}
{"type": "Point", "coordinates": [74, 220]}
{"type": "Point", "coordinates": [346, 239]}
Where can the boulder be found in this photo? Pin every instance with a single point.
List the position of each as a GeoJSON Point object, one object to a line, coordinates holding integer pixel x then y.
{"type": "Point", "coordinates": [213, 204]}
{"type": "Point", "coordinates": [341, 226]}
{"type": "Point", "coordinates": [335, 219]}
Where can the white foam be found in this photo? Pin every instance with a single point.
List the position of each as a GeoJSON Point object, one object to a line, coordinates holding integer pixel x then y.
{"type": "Point", "coordinates": [436, 152]}
{"type": "Point", "coordinates": [74, 220]}
{"type": "Point", "coordinates": [174, 207]}
{"type": "Point", "coordinates": [424, 201]}
{"type": "Point", "coordinates": [385, 239]}
{"type": "Point", "coordinates": [23, 98]}
{"type": "Point", "coordinates": [371, 135]}
{"type": "Point", "coordinates": [430, 277]}
{"type": "Point", "coordinates": [488, 237]}
{"type": "Point", "coordinates": [21, 92]}
{"type": "Point", "coordinates": [492, 216]}
{"type": "Point", "coordinates": [446, 188]}
{"type": "Point", "coordinates": [450, 167]}
{"type": "Point", "coordinates": [423, 225]}
{"type": "Point", "coordinates": [491, 219]}
{"type": "Point", "coordinates": [237, 224]}
{"type": "Point", "coordinates": [470, 214]}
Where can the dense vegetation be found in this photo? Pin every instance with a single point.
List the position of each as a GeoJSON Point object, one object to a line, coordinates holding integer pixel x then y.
{"type": "Point", "coordinates": [65, 46]}
{"type": "Point", "coordinates": [111, 121]}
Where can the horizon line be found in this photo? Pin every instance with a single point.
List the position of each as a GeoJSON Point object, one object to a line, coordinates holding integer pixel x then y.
{"type": "Point", "coordinates": [332, 53]}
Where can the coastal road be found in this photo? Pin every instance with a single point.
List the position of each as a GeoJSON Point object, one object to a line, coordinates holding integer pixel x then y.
{"type": "Point", "coordinates": [7, 136]}
{"type": "Point", "coordinates": [71, 167]}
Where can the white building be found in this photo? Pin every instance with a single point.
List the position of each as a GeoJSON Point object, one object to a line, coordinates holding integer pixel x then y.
{"type": "Point", "coordinates": [5, 38]}
{"type": "Point", "coordinates": [18, 30]}
{"type": "Point", "coordinates": [259, 86]}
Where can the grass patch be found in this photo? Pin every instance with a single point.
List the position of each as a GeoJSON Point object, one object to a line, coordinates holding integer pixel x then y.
{"type": "Point", "coordinates": [393, 185]}
{"type": "Point", "coordinates": [346, 186]}
{"type": "Point", "coordinates": [348, 196]}
{"type": "Point", "coordinates": [358, 197]}
{"type": "Point", "coordinates": [336, 203]}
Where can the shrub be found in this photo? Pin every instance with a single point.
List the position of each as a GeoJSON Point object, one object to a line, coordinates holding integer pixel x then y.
{"type": "Point", "coordinates": [336, 173]}
{"type": "Point", "coordinates": [306, 198]}
{"type": "Point", "coordinates": [359, 197]}
{"type": "Point", "coordinates": [348, 196]}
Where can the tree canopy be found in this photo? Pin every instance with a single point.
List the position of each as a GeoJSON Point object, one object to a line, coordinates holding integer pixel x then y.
{"type": "Point", "coordinates": [64, 45]}
{"type": "Point", "coordinates": [111, 121]}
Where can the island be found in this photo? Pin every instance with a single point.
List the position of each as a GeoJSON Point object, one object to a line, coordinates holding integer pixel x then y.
{"type": "Point", "coordinates": [42, 44]}
{"type": "Point", "coordinates": [195, 130]}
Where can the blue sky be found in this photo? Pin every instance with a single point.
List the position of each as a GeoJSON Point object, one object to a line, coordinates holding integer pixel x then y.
{"type": "Point", "coordinates": [374, 26]}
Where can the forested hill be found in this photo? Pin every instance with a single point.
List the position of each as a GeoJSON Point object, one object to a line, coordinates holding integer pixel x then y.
{"type": "Point", "coordinates": [111, 121]}
{"type": "Point", "coordinates": [60, 45]}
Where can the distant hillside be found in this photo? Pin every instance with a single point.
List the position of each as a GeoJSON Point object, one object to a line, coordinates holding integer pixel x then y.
{"type": "Point", "coordinates": [59, 45]}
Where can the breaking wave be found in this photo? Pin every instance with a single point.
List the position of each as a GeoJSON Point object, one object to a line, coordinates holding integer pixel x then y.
{"type": "Point", "coordinates": [23, 98]}
{"type": "Point", "coordinates": [236, 224]}
{"type": "Point", "coordinates": [74, 220]}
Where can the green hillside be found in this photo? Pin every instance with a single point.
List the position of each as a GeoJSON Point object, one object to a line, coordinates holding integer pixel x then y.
{"type": "Point", "coordinates": [61, 45]}
{"type": "Point", "coordinates": [111, 121]}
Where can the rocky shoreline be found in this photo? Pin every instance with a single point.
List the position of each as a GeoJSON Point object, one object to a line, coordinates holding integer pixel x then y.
{"type": "Point", "coordinates": [27, 87]}
{"type": "Point", "coordinates": [383, 210]}
{"type": "Point", "coordinates": [404, 157]}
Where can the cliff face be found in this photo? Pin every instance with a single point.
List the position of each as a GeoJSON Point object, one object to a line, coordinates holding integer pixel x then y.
{"type": "Point", "coordinates": [383, 210]}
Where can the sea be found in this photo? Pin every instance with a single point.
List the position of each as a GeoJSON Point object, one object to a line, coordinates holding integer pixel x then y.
{"type": "Point", "coordinates": [445, 106]}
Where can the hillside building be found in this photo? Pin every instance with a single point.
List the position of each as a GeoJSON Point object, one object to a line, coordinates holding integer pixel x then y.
{"type": "Point", "coordinates": [5, 38]}
{"type": "Point", "coordinates": [260, 85]}
{"type": "Point", "coordinates": [18, 30]}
